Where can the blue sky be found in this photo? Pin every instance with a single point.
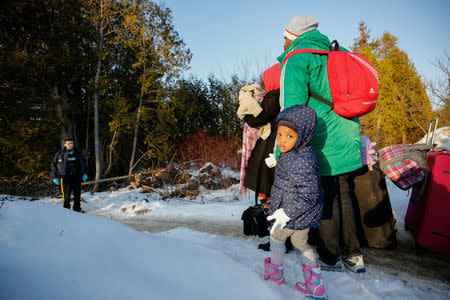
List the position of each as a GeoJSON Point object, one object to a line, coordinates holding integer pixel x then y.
{"type": "Point", "coordinates": [245, 37]}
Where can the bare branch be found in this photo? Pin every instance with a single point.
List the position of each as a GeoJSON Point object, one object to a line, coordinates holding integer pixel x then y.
{"type": "Point", "coordinates": [439, 88]}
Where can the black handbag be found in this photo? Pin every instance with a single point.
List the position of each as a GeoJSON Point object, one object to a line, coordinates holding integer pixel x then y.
{"type": "Point", "coordinates": [255, 222]}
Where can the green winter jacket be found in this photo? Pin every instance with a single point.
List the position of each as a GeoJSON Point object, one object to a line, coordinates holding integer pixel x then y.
{"type": "Point", "coordinates": [337, 140]}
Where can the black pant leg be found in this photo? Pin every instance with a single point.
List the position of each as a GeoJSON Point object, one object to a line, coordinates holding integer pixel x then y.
{"type": "Point", "coordinates": [67, 190]}
{"type": "Point", "coordinates": [328, 237]}
{"type": "Point", "coordinates": [350, 241]}
{"type": "Point", "coordinates": [76, 187]}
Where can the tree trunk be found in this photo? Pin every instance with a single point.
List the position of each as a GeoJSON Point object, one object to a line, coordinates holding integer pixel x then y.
{"type": "Point", "coordinates": [59, 114]}
{"type": "Point", "coordinates": [378, 129]}
{"type": "Point", "coordinates": [110, 153]}
{"type": "Point", "coordinates": [98, 169]}
{"type": "Point", "coordinates": [136, 130]}
{"type": "Point", "coordinates": [68, 125]}
{"type": "Point", "coordinates": [96, 136]}
{"type": "Point", "coordinates": [87, 133]}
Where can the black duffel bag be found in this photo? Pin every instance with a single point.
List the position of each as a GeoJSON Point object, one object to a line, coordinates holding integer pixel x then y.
{"type": "Point", "coordinates": [255, 222]}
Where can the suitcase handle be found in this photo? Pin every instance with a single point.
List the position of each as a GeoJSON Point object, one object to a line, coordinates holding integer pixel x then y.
{"type": "Point", "coordinates": [429, 131]}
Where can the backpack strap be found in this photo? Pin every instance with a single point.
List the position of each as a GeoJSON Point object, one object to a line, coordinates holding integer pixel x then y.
{"type": "Point", "coordinates": [323, 100]}
{"type": "Point", "coordinates": [314, 51]}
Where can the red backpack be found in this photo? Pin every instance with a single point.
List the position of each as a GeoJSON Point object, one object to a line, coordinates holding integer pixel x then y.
{"type": "Point", "coordinates": [353, 81]}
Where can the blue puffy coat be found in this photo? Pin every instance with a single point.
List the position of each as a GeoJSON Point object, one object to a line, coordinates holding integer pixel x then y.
{"type": "Point", "coordinates": [297, 187]}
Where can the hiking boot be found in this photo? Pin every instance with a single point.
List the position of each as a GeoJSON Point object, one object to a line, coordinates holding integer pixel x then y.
{"type": "Point", "coordinates": [354, 263]}
{"type": "Point", "coordinates": [273, 272]}
{"type": "Point", "coordinates": [78, 210]}
{"type": "Point", "coordinates": [313, 286]}
{"type": "Point", "coordinates": [264, 246]}
{"type": "Point", "coordinates": [337, 267]}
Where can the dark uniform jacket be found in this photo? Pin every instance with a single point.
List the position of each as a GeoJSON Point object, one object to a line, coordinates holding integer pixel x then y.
{"type": "Point", "coordinates": [65, 164]}
{"type": "Point", "coordinates": [259, 177]}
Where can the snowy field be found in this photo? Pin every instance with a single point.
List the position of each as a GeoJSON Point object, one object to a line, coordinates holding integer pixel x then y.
{"type": "Point", "coordinates": [183, 249]}
{"type": "Point", "coordinates": [48, 252]}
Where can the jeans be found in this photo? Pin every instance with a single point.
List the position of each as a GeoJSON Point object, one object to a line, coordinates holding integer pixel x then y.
{"type": "Point", "coordinates": [337, 233]}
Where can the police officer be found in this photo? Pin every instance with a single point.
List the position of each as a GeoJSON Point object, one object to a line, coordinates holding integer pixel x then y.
{"type": "Point", "coordinates": [68, 169]}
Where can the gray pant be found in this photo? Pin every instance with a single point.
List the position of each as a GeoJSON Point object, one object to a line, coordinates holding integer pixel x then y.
{"type": "Point", "coordinates": [299, 238]}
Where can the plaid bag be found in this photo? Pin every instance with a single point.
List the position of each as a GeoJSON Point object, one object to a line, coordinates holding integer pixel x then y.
{"type": "Point", "coordinates": [405, 165]}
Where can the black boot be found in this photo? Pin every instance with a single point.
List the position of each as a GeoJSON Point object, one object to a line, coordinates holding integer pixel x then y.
{"type": "Point", "coordinates": [288, 244]}
{"type": "Point", "coordinates": [265, 246]}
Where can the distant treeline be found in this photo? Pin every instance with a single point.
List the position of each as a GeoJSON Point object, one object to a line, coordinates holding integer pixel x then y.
{"type": "Point", "coordinates": [107, 73]}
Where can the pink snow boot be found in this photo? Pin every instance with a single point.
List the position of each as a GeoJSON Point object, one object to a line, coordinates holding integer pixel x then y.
{"type": "Point", "coordinates": [313, 286]}
{"type": "Point", "coordinates": [273, 272]}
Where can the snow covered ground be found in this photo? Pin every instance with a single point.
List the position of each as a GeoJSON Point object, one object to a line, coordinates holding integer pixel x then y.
{"type": "Point", "coordinates": [48, 252]}
{"type": "Point", "coordinates": [441, 137]}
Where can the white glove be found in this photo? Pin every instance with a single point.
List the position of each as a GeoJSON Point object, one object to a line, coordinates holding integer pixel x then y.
{"type": "Point", "coordinates": [281, 219]}
{"type": "Point", "coordinates": [271, 161]}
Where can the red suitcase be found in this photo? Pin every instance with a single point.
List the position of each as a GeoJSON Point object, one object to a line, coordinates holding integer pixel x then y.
{"type": "Point", "coordinates": [429, 218]}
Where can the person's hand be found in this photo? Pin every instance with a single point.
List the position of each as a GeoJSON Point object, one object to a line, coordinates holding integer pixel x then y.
{"type": "Point", "coordinates": [56, 181]}
{"type": "Point", "coordinates": [281, 219]}
{"type": "Point", "coordinates": [85, 177]}
{"type": "Point", "coordinates": [271, 161]}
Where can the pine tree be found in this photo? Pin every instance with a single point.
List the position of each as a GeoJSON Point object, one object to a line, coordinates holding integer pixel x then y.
{"type": "Point", "coordinates": [41, 72]}
{"type": "Point", "coordinates": [403, 109]}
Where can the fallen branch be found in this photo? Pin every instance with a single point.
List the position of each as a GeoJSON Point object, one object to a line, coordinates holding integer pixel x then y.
{"type": "Point", "coordinates": [148, 189]}
{"type": "Point", "coordinates": [114, 178]}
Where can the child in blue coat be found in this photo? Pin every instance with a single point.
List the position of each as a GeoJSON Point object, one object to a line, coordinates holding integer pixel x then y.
{"type": "Point", "coordinates": [297, 199]}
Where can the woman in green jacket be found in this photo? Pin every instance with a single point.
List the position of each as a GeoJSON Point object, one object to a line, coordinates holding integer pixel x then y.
{"type": "Point", "coordinates": [336, 142]}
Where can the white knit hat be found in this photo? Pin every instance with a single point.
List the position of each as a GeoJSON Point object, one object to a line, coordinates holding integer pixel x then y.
{"type": "Point", "coordinates": [299, 25]}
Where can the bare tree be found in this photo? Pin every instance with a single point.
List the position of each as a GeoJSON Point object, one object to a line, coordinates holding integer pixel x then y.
{"type": "Point", "coordinates": [101, 13]}
{"type": "Point", "coordinates": [439, 90]}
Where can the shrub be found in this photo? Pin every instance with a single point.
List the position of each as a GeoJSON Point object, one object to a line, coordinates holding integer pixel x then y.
{"type": "Point", "coordinates": [202, 148]}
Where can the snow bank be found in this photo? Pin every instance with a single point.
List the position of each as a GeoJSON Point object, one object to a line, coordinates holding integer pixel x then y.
{"type": "Point", "coordinates": [441, 137]}
{"type": "Point", "coordinates": [209, 205]}
{"type": "Point", "coordinates": [48, 252]}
